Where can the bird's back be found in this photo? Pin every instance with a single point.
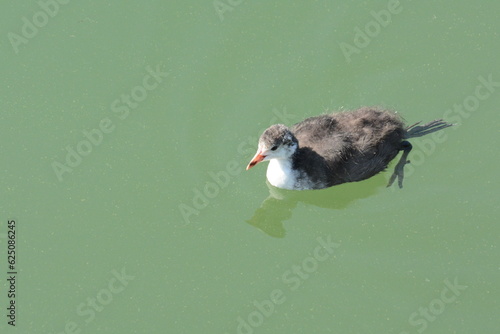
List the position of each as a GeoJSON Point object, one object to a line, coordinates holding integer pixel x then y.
{"type": "Point", "coordinates": [350, 146]}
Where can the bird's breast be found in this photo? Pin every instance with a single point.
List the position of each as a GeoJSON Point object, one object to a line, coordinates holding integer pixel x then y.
{"type": "Point", "coordinates": [281, 174]}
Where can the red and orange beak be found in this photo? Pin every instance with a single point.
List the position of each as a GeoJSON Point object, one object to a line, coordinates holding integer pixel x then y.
{"type": "Point", "coordinates": [256, 159]}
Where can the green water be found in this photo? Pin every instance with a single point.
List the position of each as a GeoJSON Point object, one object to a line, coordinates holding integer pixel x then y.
{"type": "Point", "coordinates": [125, 129]}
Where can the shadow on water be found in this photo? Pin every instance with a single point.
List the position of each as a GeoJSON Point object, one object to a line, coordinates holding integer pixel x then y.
{"type": "Point", "coordinates": [278, 207]}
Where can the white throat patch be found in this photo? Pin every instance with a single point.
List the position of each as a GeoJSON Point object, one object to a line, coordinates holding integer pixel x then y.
{"type": "Point", "coordinates": [280, 174]}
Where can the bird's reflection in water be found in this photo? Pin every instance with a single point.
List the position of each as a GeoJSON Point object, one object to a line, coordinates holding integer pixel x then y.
{"type": "Point", "coordinates": [278, 207]}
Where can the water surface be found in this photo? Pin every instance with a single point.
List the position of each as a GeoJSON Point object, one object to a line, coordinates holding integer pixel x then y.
{"type": "Point", "coordinates": [104, 246]}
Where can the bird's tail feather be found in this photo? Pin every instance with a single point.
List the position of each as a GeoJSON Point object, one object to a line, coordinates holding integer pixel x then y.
{"type": "Point", "coordinates": [417, 130]}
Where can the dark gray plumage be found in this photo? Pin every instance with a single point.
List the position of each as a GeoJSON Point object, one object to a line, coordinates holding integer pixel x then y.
{"type": "Point", "coordinates": [342, 147]}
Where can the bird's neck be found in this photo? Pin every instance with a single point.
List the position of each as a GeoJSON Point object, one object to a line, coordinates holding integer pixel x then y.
{"type": "Point", "coordinates": [281, 174]}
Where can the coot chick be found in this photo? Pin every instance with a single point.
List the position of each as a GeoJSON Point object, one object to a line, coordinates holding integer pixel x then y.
{"type": "Point", "coordinates": [327, 150]}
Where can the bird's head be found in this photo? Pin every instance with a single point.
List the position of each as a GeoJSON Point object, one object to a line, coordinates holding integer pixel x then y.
{"type": "Point", "coordinates": [277, 142]}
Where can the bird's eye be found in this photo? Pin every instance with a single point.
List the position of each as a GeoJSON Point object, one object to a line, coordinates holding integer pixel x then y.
{"type": "Point", "coordinates": [274, 148]}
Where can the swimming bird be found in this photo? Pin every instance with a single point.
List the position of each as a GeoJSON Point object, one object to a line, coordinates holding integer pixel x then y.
{"type": "Point", "coordinates": [332, 149]}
